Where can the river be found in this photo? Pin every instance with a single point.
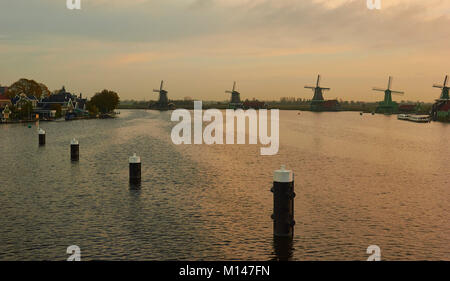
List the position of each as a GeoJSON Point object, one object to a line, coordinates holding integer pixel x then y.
{"type": "Point", "coordinates": [360, 181]}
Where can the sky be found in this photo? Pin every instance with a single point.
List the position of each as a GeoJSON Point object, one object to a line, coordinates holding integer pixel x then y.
{"type": "Point", "coordinates": [272, 48]}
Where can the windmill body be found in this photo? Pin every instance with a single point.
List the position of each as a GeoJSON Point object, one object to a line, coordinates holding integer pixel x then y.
{"type": "Point", "coordinates": [235, 101]}
{"type": "Point", "coordinates": [163, 100]}
{"type": "Point", "coordinates": [388, 106]}
{"type": "Point", "coordinates": [318, 103]}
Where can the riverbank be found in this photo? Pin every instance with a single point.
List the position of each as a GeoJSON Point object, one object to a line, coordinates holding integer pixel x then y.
{"type": "Point", "coordinates": [99, 116]}
{"type": "Point", "coordinates": [344, 106]}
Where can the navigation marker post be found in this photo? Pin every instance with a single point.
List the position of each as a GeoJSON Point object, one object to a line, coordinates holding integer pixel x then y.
{"type": "Point", "coordinates": [74, 150]}
{"type": "Point", "coordinates": [41, 133]}
{"type": "Point", "coordinates": [283, 203]}
{"type": "Point", "coordinates": [135, 169]}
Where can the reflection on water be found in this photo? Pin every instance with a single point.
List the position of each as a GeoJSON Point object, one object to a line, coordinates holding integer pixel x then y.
{"type": "Point", "coordinates": [360, 181]}
{"type": "Point", "coordinates": [282, 248]}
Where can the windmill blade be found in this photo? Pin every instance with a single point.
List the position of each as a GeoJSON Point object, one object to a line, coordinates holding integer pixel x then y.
{"type": "Point", "coordinates": [156, 91]}
{"type": "Point", "coordinates": [325, 89]}
{"type": "Point", "coordinates": [228, 92]}
{"type": "Point", "coordinates": [378, 89]}
{"type": "Point", "coordinates": [438, 86]}
{"type": "Point", "coordinates": [318, 81]}
{"type": "Point", "coordinates": [445, 80]}
{"type": "Point", "coordinates": [162, 84]}
{"type": "Point", "coordinates": [310, 87]}
{"type": "Point", "coordinates": [390, 82]}
{"type": "Point", "coordinates": [234, 86]}
{"type": "Point", "coordinates": [397, 92]}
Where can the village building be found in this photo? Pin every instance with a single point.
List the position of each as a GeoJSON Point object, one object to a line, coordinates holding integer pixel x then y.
{"type": "Point", "coordinates": [407, 108]}
{"type": "Point", "coordinates": [5, 113]}
{"type": "Point", "coordinates": [441, 110]}
{"type": "Point", "coordinates": [70, 104]}
{"type": "Point", "coordinates": [20, 100]}
{"type": "Point", "coordinates": [4, 100]}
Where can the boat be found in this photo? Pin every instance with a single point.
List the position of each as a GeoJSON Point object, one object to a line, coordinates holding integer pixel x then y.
{"type": "Point", "coordinates": [403, 117]}
{"type": "Point", "coordinates": [420, 118]}
{"type": "Point", "coordinates": [415, 118]}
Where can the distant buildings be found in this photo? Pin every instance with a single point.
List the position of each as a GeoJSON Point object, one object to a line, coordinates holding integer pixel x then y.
{"type": "Point", "coordinates": [60, 104]}
{"type": "Point", "coordinates": [5, 113]}
{"type": "Point", "coordinates": [20, 100]}
{"type": "Point", "coordinates": [407, 108]}
{"type": "Point", "coordinates": [255, 104]}
{"type": "Point", "coordinates": [64, 102]}
{"type": "Point", "coordinates": [441, 110]}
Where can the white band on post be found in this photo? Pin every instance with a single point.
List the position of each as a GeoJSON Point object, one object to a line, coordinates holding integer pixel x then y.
{"type": "Point", "coordinates": [283, 175]}
{"type": "Point", "coordinates": [135, 159]}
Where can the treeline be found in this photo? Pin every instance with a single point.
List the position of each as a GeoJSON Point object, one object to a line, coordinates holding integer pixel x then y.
{"type": "Point", "coordinates": [285, 103]}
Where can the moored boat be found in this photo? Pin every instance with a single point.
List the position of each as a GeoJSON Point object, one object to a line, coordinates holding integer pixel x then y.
{"type": "Point", "coordinates": [420, 118]}
{"type": "Point", "coordinates": [403, 117]}
{"type": "Point", "coordinates": [414, 118]}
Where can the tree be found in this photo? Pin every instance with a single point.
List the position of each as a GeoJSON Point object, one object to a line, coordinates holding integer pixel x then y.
{"type": "Point", "coordinates": [105, 101]}
{"type": "Point", "coordinates": [93, 110]}
{"type": "Point", "coordinates": [28, 87]}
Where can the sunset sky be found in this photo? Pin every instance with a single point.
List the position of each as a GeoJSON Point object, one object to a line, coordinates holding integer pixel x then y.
{"type": "Point", "coordinates": [272, 48]}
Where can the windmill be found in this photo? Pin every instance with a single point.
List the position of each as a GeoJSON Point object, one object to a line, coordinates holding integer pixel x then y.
{"type": "Point", "coordinates": [163, 101]}
{"type": "Point", "coordinates": [318, 103]}
{"type": "Point", "coordinates": [444, 87]}
{"type": "Point", "coordinates": [387, 106]}
{"type": "Point", "coordinates": [318, 91]}
{"type": "Point", "coordinates": [441, 108]}
{"type": "Point", "coordinates": [235, 97]}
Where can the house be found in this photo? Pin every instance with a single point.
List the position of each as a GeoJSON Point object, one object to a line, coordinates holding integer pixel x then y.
{"type": "Point", "coordinates": [4, 100]}
{"type": "Point", "coordinates": [69, 103]}
{"type": "Point", "coordinates": [5, 113]}
{"type": "Point", "coordinates": [407, 107]}
{"type": "Point", "coordinates": [21, 99]}
{"type": "Point", "coordinates": [325, 105]}
{"type": "Point", "coordinates": [22, 102]}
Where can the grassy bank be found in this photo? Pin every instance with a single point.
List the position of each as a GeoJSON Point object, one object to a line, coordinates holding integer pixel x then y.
{"type": "Point", "coordinates": [303, 106]}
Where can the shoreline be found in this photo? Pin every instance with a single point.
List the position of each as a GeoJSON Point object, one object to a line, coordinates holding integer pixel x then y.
{"type": "Point", "coordinates": [56, 120]}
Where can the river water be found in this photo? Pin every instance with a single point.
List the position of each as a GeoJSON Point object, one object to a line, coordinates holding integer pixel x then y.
{"type": "Point", "coordinates": [360, 181]}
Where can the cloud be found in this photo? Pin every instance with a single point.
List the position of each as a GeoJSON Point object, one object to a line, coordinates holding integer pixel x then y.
{"type": "Point", "coordinates": [224, 37]}
{"type": "Point", "coordinates": [276, 23]}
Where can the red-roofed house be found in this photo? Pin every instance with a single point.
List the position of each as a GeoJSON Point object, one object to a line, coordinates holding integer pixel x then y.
{"type": "Point", "coordinates": [4, 100]}
{"type": "Point", "coordinates": [407, 107]}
